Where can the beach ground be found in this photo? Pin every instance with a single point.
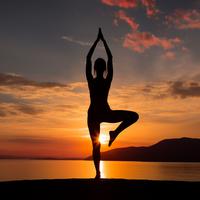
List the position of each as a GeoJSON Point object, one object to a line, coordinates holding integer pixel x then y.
{"type": "Point", "coordinates": [103, 189]}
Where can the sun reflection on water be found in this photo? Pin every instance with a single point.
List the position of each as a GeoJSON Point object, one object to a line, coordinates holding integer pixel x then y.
{"type": "Point", "coordinates": [102, 169]}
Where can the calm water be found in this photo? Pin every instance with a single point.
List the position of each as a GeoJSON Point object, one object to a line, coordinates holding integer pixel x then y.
{"type": "Point", "coordinates": [59, 169]}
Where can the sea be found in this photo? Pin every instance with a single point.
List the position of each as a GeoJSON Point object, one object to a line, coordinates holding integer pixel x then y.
{"type": "Point", "coordinates": [16, 169]}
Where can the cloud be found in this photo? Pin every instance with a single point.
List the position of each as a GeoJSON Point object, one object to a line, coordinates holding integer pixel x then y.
{"type": "Point", "coordinates": [169, 55]}
{"type": "Point", "coordinates": [184, 19]}
{"type": "Point", "coordinates": [130, 21]}
{"type": "Point", "coordinates": [11, 105]}
{"type": "Point", "coordinates": [155, 103]}
{"type": "Point", "coordinates": [8, 98]}
{"type": "Point", "coordinates": [121, 3]}
{"type": "Point", "coordinates": [185, 89]}
{"type": "Point", "coordinates": [61, 109]}
{"type": "Point", "coordinates": [2, 113]}
{"type": "Point", "coordinates": [27, 109]}
{"type": "Point", "coordinates": [70, 39]}
{"type": "Point", "coordinates": [13, 79]}
{"type": "Point", "coordinates": [21, 98]}
{"type": "Point", "coordinates": [28, 140]}
{"type": "Point", "coordinates": [185, 49]}
{"type": "Point", "coordinates": [140, 41]}
{"type": "Point", "coordinates": [19, 95]}
{"type": "Point", "coordinates": [31, 139]}
{"type": "Point", "coordinates": [150, 5]}
{"type": "Point", "coordinates": [15, 109]}
{"type": "Point", "coordinates": [166, 89]}
{"type": "Point", "coordinates": [151, 9]}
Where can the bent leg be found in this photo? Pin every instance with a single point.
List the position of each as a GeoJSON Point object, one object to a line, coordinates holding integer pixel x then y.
{"type": "Point", "coordinates": [94, 129]}
{"type": "Point", "coordinates": [125, 117]}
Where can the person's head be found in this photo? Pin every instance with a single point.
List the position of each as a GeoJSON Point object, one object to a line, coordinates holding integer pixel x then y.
{"type": "Point", "coordinates": [99, 66]}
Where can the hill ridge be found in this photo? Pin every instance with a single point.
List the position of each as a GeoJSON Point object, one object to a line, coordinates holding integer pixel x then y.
{"type": "Point", "coordinates": [183, 149]}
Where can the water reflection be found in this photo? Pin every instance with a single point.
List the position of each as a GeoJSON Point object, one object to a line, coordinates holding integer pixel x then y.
{"type": "Point", "coordinates": [152, 170]}
{"type": "Point", "coordinates": [102, 169]}
{"type": "Point", "coordinates": [59, 169]}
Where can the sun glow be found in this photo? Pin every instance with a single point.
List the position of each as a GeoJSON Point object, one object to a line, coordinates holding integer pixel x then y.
{"type": "Point", "coordinates": [103, 138]}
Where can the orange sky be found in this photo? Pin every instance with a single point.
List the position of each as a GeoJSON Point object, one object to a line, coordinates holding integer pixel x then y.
{"type": "Point", "coordinates": [54, 124]}
{"type": "Point", "coordinates": [43, 91]}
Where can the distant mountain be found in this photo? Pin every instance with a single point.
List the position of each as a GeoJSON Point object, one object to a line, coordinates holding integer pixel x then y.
{"type": "Point", "coordinates": [169, 150]}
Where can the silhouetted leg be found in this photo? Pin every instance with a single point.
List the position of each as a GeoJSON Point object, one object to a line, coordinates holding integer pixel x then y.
{"type": "Point", "coordinates": [94, 129]}
{"type": "Point", "coordinates": [126, 117]}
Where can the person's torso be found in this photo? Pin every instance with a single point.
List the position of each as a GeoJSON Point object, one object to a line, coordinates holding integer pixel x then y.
{"type": "Point", "coordinates": [99, 90]}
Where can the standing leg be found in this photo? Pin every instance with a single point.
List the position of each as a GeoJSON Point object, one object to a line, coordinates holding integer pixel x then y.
{"type": "Point", "coordinates": [94, 129]}
{"type": "Point", "coordinates": [126, 117]}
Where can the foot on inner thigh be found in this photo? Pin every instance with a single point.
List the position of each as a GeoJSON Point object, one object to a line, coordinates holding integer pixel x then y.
{"type": "Point", "coordinates": [113, 136]}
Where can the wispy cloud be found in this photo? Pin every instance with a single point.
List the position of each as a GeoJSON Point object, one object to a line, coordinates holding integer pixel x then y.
{"type": "Point", "coordinates": [20, 96]}
{"type": "Point", "coordinates": [185, 89]}
{"type": "Point", "coordinates": [151, 8]}
{"type": "Point", "coordinates": [121, 3]}
{"type": "Point", "coordinates": [169, 55]}
{"type": "Point", "coordinates": [70, 39]}
{"type": "Point", "coordinates": [184, 19]}
{"type": "Point", "coordinates": [140, 41]}
{"type": "Point", "coordinates": [32, 139]}
{"type": "Point", "coordinates": [130, 21]}
{"type": "Point", "coordinates": [46, 103]}
{"type": "Point", "coordinates": [13, 79]}
{"type": "Point", "coordinates": [150, 5]}
{"type": "Point", "coordinates": [27, 109]}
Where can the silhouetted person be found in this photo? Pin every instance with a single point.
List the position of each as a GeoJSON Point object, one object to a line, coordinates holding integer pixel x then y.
{"type": "Point", "coordinates": [99, 110]}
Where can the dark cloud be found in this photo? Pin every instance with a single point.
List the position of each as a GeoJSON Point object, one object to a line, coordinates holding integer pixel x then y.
{"type": "Point", "coordinates": [155, 91]}
{"type": "Point", "coordinates": [182, 89]}
{"type": "Point", "coordinates": [8, 98]}
{"type": "Point", "coordinates": [33, 140]}
{"type": "Point", "coordinates": [64, 107]}
{"type": "Point", "coordinates": [27, 109]}
{"type": "Point", "coordinates": [147, 88]}
{"type": "Point", "coordinates": [185, 89]}
{"type": "Point", "coordinates": [2, 113]}
{"type": "Point", "coordinates": [7, 109]}
{"type": "Point", "coordinates": [12, 79]}
{"type": "Point", "coordinates": [12, 104]}
{"type": "Point", "coordinates": [29, 140]}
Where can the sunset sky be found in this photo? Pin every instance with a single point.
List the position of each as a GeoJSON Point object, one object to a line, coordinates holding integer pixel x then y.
{"type": "Point", "coordinates": [43, 91]}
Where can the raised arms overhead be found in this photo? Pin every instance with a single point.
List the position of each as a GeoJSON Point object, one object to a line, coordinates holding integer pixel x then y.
{"type": "Point", "coordinates": [88, 60]}
{"type": "Point", "coordinates": [89, 56]}
{"type": "Point", "coordinates": [109, 54]}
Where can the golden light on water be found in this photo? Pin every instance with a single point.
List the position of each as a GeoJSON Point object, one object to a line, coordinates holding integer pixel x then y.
{"type": "Point", "coordinates": [102, 169]}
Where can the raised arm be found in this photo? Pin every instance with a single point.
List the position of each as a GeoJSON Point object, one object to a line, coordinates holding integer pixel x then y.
{"type": "Point", "coordinates": [109, 54]}
{"type": "Point", "coordinates": [89, 62]}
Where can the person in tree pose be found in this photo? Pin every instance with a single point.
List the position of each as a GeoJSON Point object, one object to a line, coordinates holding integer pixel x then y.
{"type": "Point", "coordinates": [99, 110]}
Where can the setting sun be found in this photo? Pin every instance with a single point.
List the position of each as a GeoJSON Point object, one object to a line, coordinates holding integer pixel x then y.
{"type": "Point", "coordinates": [103, 138]}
